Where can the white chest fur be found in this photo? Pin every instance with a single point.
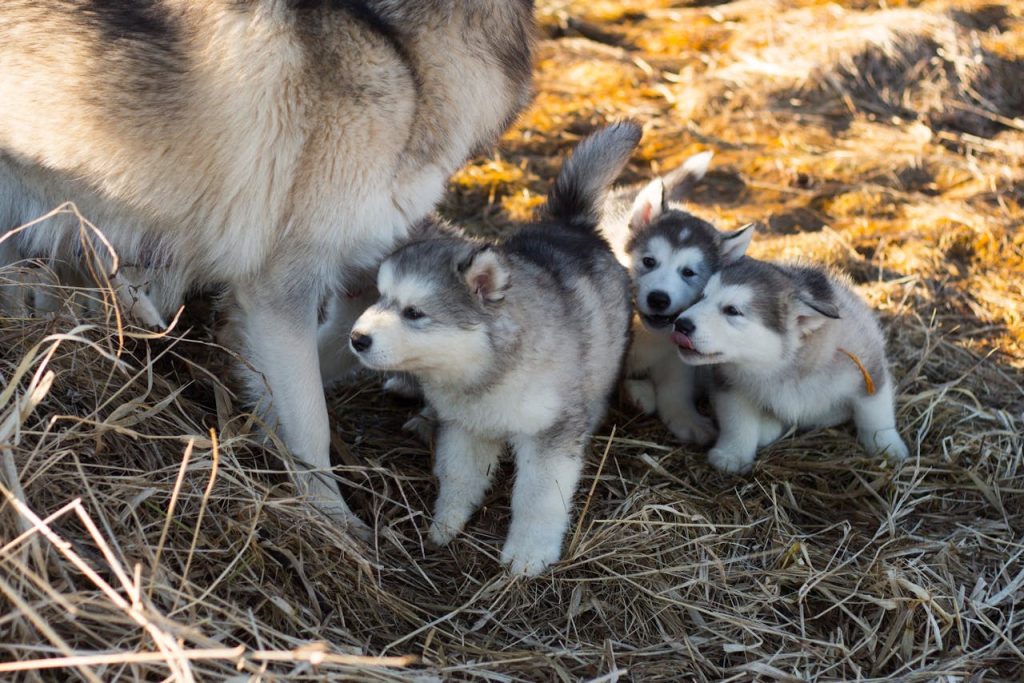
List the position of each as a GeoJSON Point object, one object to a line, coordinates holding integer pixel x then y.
{"type": "Point", "coordinates": [521, 404]}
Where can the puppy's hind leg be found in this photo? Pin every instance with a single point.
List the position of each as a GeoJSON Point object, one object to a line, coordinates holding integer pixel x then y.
{"type": "Point", "coordinates": [464, 466]}
{"type": "Point", "coordinates": [875, 418]}
{"type": "Point", "coordinates": [278, 328]}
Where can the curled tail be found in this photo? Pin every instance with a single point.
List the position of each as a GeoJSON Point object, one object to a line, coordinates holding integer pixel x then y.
{"type": "Point", "coordinates": [679, 183]}
{"type": "Point", "coordinates": [577, 198]}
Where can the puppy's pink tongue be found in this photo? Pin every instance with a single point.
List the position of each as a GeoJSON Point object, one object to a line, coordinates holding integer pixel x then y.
{"type": "Point", "coordinates": [681, 340]}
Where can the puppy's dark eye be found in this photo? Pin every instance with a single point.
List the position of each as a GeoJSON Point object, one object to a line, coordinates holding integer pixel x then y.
{"type": "Point", "coordinates": [731, 311]}
{"type": "Point", "coordinates": [650, 262]}
{"type": "Point", "coordinates": [412, 313]}
{"type": "Point", "coordinates": [688, 272]}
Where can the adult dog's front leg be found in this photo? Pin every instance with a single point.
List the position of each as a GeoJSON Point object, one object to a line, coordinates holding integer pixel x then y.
{"type": "Point", "coordinates": [279, 337]}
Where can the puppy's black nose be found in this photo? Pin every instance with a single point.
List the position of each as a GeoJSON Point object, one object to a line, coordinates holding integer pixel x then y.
{"type": "Point", "coordinates": [360, 342]}
{"type": "Point", "coordinates": [685, 325]}
{"type": "Point", "coordinates": [658, 300]}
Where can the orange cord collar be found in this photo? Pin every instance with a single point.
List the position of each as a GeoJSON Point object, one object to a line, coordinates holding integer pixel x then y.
{"type": "Point", "coordinates": [868, 382]}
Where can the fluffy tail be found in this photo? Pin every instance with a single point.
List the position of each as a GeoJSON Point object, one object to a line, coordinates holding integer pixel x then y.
{"type": "Point", "coordinates": [577, 198]}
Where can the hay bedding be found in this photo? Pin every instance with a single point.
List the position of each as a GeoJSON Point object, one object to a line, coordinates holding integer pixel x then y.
{"type": "Point", "coordinates": [145, 536]}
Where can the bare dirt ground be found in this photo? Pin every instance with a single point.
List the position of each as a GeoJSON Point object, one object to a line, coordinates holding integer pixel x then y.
{"type": "Point", "coordinates": [886, 139]}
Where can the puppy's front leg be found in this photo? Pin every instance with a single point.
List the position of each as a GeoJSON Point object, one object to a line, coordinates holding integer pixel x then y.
{"type": "Point", "coordinates": [641, 392]}
{"type": "Point", "coordinates": [740, 425]}
{"type": "Point", "coordinates": [278, 329]}
{"type": "Point", "coordinates": [875, 418]}
{"type": "Point", "coordinates": [464, 465]}
{"type": "Point", "coordinates": [675, 391]}
{"type": "Point", "coordinates": [546, 479]}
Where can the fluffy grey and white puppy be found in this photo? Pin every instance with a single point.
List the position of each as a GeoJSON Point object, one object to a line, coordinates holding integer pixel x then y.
{"type": "Point", "coordinates": [518, 342]}
{"type": "Point", "coordinates": [791, 345]}
{"type": "Point", "coordinates": [671, 255]}
{"type": "Point", "coordinates": [279, 147]}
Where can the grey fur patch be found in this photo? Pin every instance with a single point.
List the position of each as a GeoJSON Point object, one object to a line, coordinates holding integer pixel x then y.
{"type": "Point", "coordinates": [815, 290]}
{"type": "Point", "coordinates": [568, 433]}
{"type": "Point", "coordinates": [682, 230]}
{"type": "Point", "coordinates": [439, 261]}
{"type": "Point", "coordinates": [773, 288]}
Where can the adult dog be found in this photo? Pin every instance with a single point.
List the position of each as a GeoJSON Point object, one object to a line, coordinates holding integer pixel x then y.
{"type": "Point", "coordinates": [279, 147]}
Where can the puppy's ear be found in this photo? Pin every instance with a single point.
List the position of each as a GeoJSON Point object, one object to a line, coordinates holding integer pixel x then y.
{"type": "Point", "coordinates": [648, 205]}
{"type": "Point", "coordinates": [485, 274]}
{"type": "Point", "coordinates": [735, 243]}
{"type": "Point", "coordinates": [812, 313]}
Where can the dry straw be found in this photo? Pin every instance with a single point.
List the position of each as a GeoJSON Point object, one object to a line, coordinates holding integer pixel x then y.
{"type": "Point", "coordinates": [146, 533]}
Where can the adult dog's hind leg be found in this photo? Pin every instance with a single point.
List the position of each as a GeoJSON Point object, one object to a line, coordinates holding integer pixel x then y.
{"type": "Point", "coordinates": [279, 333]}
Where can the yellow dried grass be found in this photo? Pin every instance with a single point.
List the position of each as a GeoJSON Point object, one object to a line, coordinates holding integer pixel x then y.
{"type": "Point", "coordinates": [136, 544]}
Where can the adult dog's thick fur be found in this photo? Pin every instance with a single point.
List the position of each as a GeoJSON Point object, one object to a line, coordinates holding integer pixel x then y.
{"type": "Point", "coordinates": [281, 147]}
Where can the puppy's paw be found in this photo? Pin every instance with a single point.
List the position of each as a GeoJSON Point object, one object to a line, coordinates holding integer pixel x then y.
{"type": "Point", "coordinates": [693, 428]}
{"type": "Point", "coordinates": [445, 527]}
{"type": "Point", "coordinates": [529, 557]}
{"type": "Point", "coordinates": [345, 518]}
{"type": "Point", "coordinates": [887, 443]}
{"type": "Point", "coordinates": [730, 462]}
{"type": "Point", "coordinates": [641, 393]}
{"type": "Point", "coordinates": [422, 426]}
{"type": "Point", "coordinates": [404, 386]}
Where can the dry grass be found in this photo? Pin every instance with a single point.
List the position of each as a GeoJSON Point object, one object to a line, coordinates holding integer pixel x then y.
{"type": "Point", "coordinates": [889, 143]}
